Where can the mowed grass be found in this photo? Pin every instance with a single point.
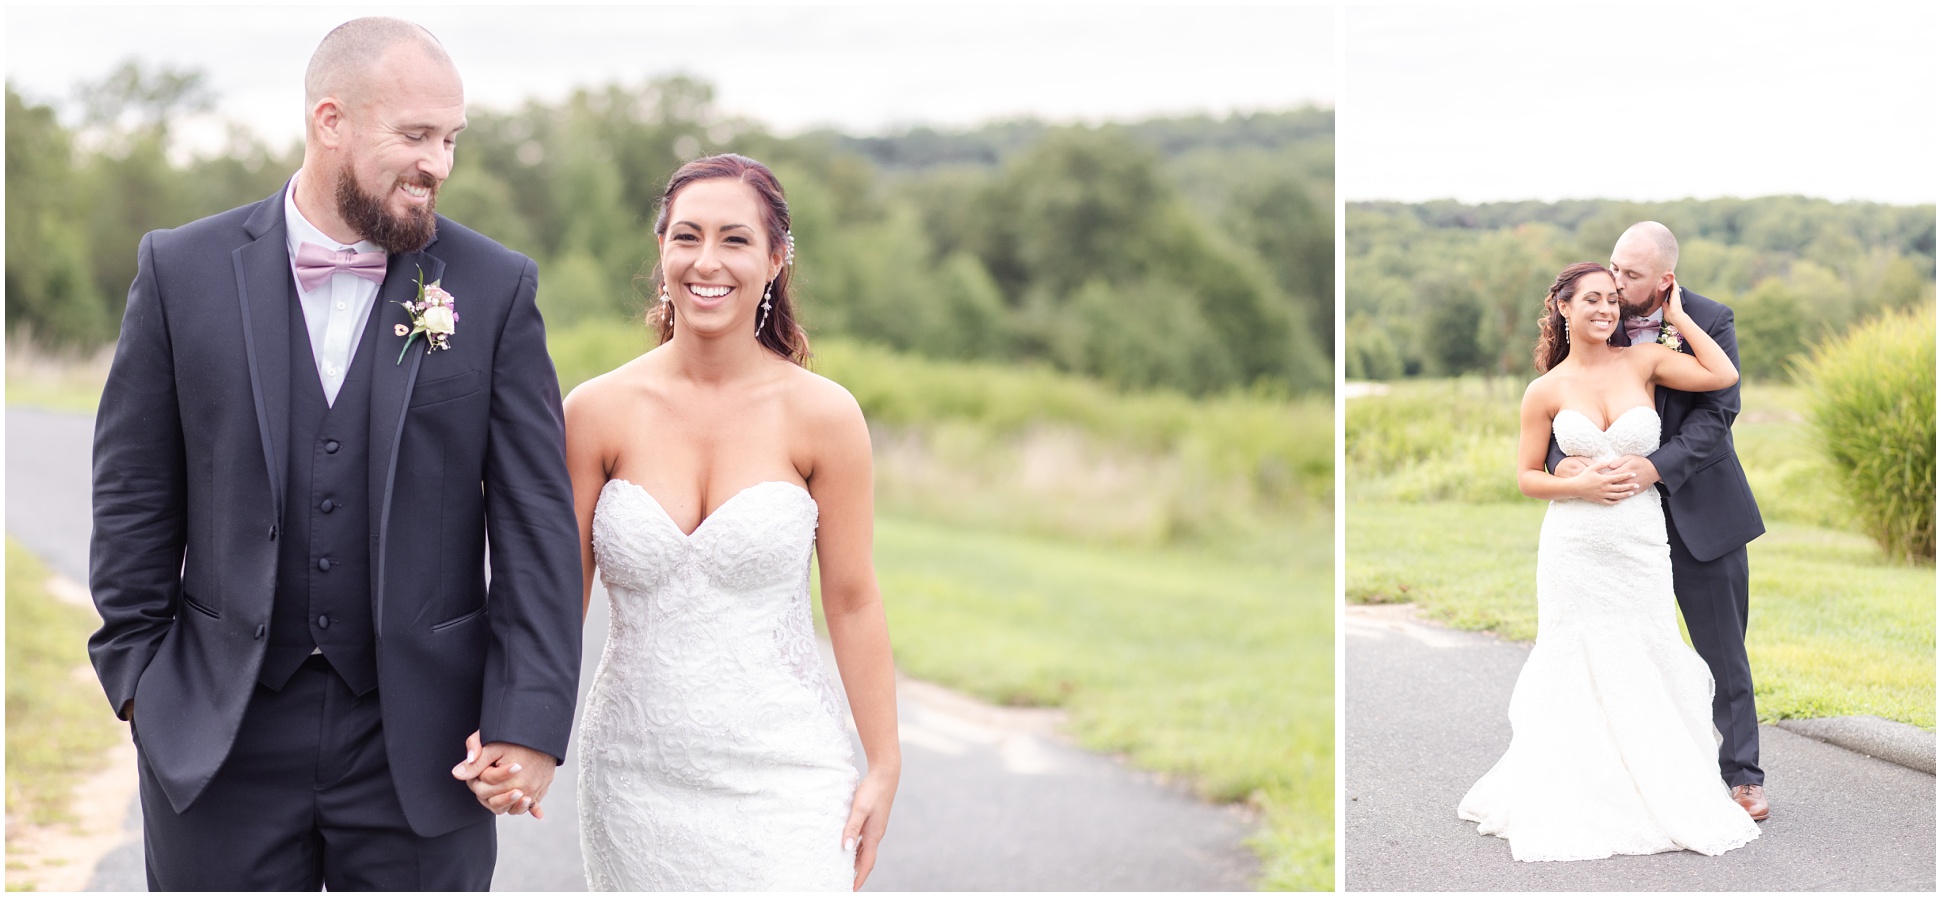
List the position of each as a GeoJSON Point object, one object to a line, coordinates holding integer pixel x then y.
{"type": "Point", "coordinates": [58, 723]}
{"type": "Point", "coordinates": [1186, 662]}
{"type": "Point", "coordinates": [1835, 629]}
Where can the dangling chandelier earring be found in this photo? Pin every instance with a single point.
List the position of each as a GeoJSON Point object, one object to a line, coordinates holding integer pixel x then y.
{"type": "Point", "coordinates": [788, 258]}
{"type": "Point", "coordinates": [667, 304]}
{"type": "Point", "coordinates": [1566, 331]}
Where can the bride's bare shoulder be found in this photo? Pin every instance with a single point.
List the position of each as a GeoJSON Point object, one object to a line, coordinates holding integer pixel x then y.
{"type": "Point", "coordinates": [1543, 390]}
{"type": "Point", "coordinates": [821, 402]}
{"type": "Point", "coordinates": [598, 397]}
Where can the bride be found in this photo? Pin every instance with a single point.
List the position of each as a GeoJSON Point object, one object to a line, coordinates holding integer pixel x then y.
{"type": "Point", "coordinates": [1613, 751]}
{"type": "Point", "coordinates": [713, 750]}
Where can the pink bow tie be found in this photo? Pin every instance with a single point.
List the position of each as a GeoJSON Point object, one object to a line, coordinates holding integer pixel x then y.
{"type": "Point", "coordinates": [1641, 328]}
{"type": "Point", "coordinates": [316, 264]}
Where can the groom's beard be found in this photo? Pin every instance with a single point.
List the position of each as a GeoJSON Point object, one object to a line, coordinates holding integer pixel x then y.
{"type": "Point", "coordinates": [1642, 309]}
{"type": "Point", "coordinates": [393, 233]}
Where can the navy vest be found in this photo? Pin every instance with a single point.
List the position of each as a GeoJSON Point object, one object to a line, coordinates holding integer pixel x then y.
{"type": "Point", "coordinates": [323, 565]}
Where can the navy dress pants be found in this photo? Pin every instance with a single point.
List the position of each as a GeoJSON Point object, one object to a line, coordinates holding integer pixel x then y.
{"type": "Point", "coordinates": [303, 802]}
{"type": "Point", "coordinates": [1713, 596]}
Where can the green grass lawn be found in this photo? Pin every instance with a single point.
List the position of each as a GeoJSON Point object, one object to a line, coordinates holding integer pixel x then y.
{"type": "Point", "coordinates": [58, 723]}
{"type": "Point", "coordinates": [1184, 661]}
{"type": "Point", "coordinates": [1835, 629]}
{"type": "Point", "coordinates": [55, 394]}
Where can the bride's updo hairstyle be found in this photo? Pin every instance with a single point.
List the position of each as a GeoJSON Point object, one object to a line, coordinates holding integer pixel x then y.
{"type": "Point", "coordinates": [1552, 345]}
{"type": "Point", "coordinates": [780, 333]}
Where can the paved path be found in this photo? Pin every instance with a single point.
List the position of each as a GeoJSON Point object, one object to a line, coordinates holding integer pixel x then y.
{"type": "Point", "coordinates": [991, 798]}
{"type": "Point", "coordinates": [1426, 715]}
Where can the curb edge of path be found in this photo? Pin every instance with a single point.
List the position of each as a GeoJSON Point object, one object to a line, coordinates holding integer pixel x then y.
{"type": "Point", "coordinates": [1882, 739]}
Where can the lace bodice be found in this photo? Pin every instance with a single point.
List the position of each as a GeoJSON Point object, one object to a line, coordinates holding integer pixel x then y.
{"type": "Point", "coordinates": [714, 745]}
{"type": "Point", "coordinates": [1630, 434]}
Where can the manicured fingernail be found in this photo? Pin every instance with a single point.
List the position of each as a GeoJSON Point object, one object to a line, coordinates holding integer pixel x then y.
{"type": "Point", "coordinates": [849, 844]}
{"type": "Point", "coordinates": [458, 770]}
{"type": "Point", "coordinates": [515, 767]}
{"type": "Point", "coordinates": [471, 755]}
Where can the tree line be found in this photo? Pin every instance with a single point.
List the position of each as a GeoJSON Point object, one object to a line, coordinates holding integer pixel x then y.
{"type": "Point", "coordinates": [1444, 288]}
{"type": "Point", "coordinates": [1189, 253]}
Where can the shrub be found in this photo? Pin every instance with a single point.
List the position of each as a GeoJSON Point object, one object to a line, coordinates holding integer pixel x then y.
{"type": "Point", "coordinates": [1872, 406]}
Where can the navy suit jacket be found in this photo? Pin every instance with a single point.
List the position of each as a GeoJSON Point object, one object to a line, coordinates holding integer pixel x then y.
{"type": "Point", "coordinates": [1704, 487]}
{"type": "Point", "coordinates": [191, 446]}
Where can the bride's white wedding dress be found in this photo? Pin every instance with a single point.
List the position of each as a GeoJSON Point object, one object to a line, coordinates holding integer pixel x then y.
{"type": "Point", "coordinates": [1613, 751]}
{"type": "Point", "coordinates": [713, 750]}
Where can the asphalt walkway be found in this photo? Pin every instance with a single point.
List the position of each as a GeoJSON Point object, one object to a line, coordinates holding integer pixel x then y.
{"type": "Point", "coordinates": [1427, 714]}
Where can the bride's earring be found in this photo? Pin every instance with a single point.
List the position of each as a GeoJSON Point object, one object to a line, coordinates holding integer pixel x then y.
{"type": "Point", "coordinates": [668, 304]}
{"type": "Point", "coordinates": [1566, 331]}
{"type": "Point", "coordinates": [767, 292]}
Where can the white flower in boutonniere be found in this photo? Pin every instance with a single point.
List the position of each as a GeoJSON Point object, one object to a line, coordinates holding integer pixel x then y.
{"type": "Point", "coordinates": [435, 315]}
{"type": "Point", "coordinates": [1668, 337]}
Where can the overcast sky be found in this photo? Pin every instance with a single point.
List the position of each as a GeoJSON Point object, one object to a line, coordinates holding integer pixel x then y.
{"type": "Point", "coordinates": [1831, 99]}
{"type": "Point", "coordinates": [863, 69]}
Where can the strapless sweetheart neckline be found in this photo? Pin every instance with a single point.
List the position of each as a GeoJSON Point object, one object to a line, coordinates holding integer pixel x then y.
{"type": "Point", "coordinates": [642, 491]}
{"type": "Point", "coordinates": [1607, 427]}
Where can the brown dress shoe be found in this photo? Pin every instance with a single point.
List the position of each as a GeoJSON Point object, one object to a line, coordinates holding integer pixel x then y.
{"type": "Point", "coordinates": [1753, 799]}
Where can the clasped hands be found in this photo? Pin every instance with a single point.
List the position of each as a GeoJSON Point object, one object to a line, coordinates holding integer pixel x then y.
{"type": "Point", "coordinates": [1610, 483]}
{"type": "Point", "coordinates": [506, 778]}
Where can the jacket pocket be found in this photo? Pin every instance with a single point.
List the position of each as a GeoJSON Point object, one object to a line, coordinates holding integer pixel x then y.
{"type": "Point", "coordinates": [444, 389]}
{"type": "Point", "coordinates": [198, 606]}
{"type": "Point", "coordinates": [459, 620]}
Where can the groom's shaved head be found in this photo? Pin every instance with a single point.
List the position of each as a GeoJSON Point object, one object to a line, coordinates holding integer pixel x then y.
{"type": "Point", "coordinates": [344, 60]}
{"type": "Point", "coordinates": [1657, 239]}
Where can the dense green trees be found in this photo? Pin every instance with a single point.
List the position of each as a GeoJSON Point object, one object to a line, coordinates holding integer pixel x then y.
{"type": "Point", "coordinates": [1191, 253]}
{"type": "Point", "coordinates": [1442, 287]}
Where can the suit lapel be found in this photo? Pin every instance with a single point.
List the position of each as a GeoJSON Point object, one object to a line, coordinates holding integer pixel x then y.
{"type": "Point", "coordinates": [391, 381]}
{"type": "Point", "coordinates": [266, 291]}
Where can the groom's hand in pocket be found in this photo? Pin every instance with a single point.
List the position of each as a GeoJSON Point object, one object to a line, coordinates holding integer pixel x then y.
{"type": "Point", "coordinates": [506, 778]}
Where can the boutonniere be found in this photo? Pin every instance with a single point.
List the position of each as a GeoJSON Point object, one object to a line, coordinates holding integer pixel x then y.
{"type": "Point", "coordinates": [1669, 338]}
{"type": "Point", "coordinates": [435, 315]}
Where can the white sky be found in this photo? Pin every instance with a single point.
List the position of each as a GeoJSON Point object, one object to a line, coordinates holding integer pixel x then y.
{"type": "Point", "coordinates": [1832, 99]}
{"type": "Point", "coordinates": [863, 69]}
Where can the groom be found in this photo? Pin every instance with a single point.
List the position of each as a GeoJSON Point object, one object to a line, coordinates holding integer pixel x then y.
{"type": "Point", "coordinates": [292, 494]}
{"type": "Point", "coordinates": [1709, 511]}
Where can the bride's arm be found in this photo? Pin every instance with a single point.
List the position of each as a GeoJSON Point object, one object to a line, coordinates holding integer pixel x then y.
{"type": "Point", "coordinates": [1533, 449]}
{"type": "Point", "coordinates": [1708, 368]}
{"type": "Point", "coordinates": [841, 481]}
{"type": "Point", "coordinates": [587, 465]}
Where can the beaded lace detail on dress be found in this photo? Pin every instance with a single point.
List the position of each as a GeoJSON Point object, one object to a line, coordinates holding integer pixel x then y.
{"type": "Point", "coordinates": [714, 753]}
{"type": "Point", "coordinates": [1613, 751]}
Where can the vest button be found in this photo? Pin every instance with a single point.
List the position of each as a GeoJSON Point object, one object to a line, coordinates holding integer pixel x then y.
{"type": "Point", "coordinates": [272, 534]}
{"type": "Point", "coordinates": [323, 564]}
{"type": "Point", "coordinates": [327, 506]}
{"type": "Point", "coordinates": [323, 622]}
{"type": "Point", "coordinates": [331, 446]}
{"type": "Point", "coordinates": [260, 629]}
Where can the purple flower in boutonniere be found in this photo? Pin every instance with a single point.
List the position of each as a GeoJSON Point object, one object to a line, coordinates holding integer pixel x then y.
{"type": "Point", "coordinates": [1669, 338]}
{"type": "Point", "coordinates": [435, 315]}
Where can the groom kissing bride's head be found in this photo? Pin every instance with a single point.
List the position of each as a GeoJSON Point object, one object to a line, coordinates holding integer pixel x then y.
{"type": "Point", "coordinates": [385, 106]}
{"type": "Point", "coordinates": [1643, 260]}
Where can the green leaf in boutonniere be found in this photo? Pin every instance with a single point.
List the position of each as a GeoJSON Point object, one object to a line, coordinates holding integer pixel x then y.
{"type": "Point", "coordinates": [434, 314]}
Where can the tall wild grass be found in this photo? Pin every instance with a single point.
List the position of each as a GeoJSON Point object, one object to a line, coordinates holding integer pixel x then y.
{"type": "Point", "coordinates": [1872, 409]}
